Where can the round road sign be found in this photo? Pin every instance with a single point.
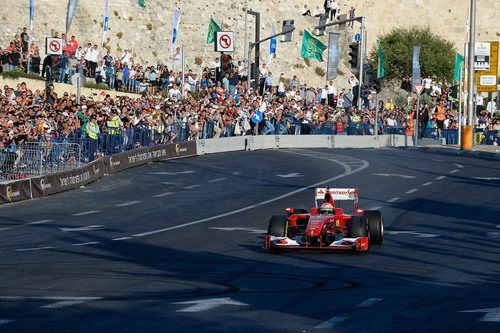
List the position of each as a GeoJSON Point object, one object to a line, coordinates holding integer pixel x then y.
{"type": "Point", "coordinates": [55, 46]}
{"type": "Point", "coordinates": [225, 41]}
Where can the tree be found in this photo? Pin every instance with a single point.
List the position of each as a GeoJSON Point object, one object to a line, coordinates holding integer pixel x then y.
{"type": "Point", "coordinates": [437, 56]}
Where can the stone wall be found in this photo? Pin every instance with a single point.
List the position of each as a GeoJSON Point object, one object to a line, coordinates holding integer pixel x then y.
{"type": "Point", "coordinates": [148, 30]}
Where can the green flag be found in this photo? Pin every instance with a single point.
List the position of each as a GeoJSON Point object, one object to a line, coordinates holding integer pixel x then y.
{"type": "Point", "coordinates": [212, 28]}
{"type": "Point", "coordinates": [459, 59]}
{"type": "Point", "coordinates": [141, 3]}
{"type": "Point", "coordinates": [311, 47]}
{"type": "Point", "coordinates": [381, 69]}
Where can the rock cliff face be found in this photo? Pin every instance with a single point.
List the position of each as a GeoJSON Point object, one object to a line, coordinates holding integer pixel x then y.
{"type": "Point", "coordinates": [148, 30]}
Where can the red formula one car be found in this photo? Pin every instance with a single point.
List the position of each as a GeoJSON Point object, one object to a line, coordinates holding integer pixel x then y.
{"type": "Point", "coordinates": [326, 227]}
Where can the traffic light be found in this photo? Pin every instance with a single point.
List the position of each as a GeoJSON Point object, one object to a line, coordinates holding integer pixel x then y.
{"type": "Point", "coordinates": [378, 85]}
{"type": "Point", "coordinates": [454, 91]}
{"type": "Point", "coordinates": [226, 64]}
{"type": "Point", "coordinates": [354, 54]}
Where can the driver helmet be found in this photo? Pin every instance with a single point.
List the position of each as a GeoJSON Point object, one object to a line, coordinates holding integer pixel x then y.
{"type": "Point", "coordinates": [326, 209]}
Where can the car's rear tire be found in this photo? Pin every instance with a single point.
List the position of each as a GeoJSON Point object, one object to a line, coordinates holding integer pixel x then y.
{"type": "Point", "coordinates": [278, 225]}
{"type": "Point", "coordinates": [375, 226]}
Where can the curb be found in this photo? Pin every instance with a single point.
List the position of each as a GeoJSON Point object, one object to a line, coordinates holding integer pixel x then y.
{"type": "Point", "coordinates": [459, 152]}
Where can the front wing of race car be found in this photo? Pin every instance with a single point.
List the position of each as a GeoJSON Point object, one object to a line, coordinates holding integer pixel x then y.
{"type": "Point", "coordinates": [359, 244]}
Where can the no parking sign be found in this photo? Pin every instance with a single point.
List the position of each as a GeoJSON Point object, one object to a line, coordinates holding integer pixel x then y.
{"type": "Point", "coordinates": [53, 46]}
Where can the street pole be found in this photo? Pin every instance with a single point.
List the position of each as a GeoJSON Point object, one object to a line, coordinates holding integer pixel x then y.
{"type": "Point", "coordinates": [460, 106]}
{"type": "Point", "coordinates": [472, 42]}
{"type": "Point", "coordinates": [416, 119]}
{"type": "Point", "coordinates": [362, 48]}
{"type": "Point", "coordinates": [183, 64]}
{"type": "Point", "coordinates": [245, 43]}
{"type": "Point", "coordinates": [376, 98]}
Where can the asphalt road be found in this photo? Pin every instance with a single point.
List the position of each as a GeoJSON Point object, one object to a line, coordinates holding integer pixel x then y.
{"type": "Point", "coordinates": [177, 246]}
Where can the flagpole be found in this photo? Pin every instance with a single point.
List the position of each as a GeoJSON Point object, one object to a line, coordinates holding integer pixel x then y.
{"type": "Point", "coordinates": [32, 9]}
{"type": "Point", "coordinates": [203, 63]}
{"type": "Point", "coordinates": [460, 106]}
{"type": "Point", "coordinates": [376, 97]}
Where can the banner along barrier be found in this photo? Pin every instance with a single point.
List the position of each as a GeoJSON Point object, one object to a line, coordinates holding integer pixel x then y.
{"type": "Point", "coordinates": [54, 183]}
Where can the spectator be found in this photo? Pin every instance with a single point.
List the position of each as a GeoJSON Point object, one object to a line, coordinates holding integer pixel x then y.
{"type": "Point", "coordinates": [305, 11]}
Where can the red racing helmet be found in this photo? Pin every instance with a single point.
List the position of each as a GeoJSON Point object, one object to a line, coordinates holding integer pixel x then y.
{"type": "Point", "coordinates": [327, 209]}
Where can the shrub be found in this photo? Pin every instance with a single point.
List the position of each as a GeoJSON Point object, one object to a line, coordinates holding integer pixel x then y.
{"type": "Point", "coordinates": [116, 13]}
{"type": "Point", "coordinates": [119, 49]}
{"type": "Point", "coordinates": [198, 61]}
{"type": "Point", "coordinates": [119, 35]}
{"type": "Point", "coordinates": [320, 72]}
{"type": "Point", "coordinates": [155, 54]}
{"type": "Point", "coordinates": [130, 18]}
{"type": "Point", "coordinates": [307, 61]}
{"type": "Point", "coordinates": [149, 26]}
{"type": "Point", "coordinates": [100, 86]}
{"type": "Point", "coordinates": [16, 74]}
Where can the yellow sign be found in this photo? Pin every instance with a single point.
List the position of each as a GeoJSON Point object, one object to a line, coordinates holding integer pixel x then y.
{"type": "Point", "coordinates": [487, 80]}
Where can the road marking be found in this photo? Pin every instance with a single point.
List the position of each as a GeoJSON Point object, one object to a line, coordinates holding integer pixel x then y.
{"type": "Point", "coordinates": [493, 235]}
{"type": "Point", "coordinates": [6, 228]}
{"type": "Point", "coordinates": [130, 203]}
{"type": "Point", "coordinates": [331, 322]}
{"type": "Point", "coordinates": [290, 175]}
{"type": "Point", "coordinates": [427, 184]}
{"type": "Point", "coordinates": [250, 230]}
{"type": "Point", "coordinates": [436, 160]}
{"type": "Point", "coordinates": [35, 248]}
{"type": "Point", "coordinates": [237, 173]}
{"type": "Point", "coordinates": [374, 208]}
{"type": "Point", "coordinates": [393, 199]}
{"type": "Point", "coordinates": [413, 190]}
{"type": "Point", "coordinates": [162, 194]}
{"type": "Point", "coordinates": [39, 222]}
{"type": "Point", "coordinates": [418, 234]}
{"type": "Point", "coordinates": [87, 228]}
{"type": "Point", "coordinates": [87, 213]}
{"type": "Point", "coordinates": [487, 178]}
{"type": "Point", "coordinates": [5, 321]}
{"type": "Point", "coordinates": [440, 177]}
{"type": "Point", "coordinates": [217, 180]}
{"type": "Point", "coordinates": [48, 298]}
{"type": "Point", "coordinates": [86, 243]}
{"type": "Point", "coordinates": [191, 187]}
{"type": "Point", "coordinates": [453, 171]}
{"type": "Point", "coordinates": [369, 302]}
{"type": "Point", "coordinates": [208, 304]}
{"type": "Point", "coordinates": [460, 166]}
{"type": "Point", "coordinates": [393, 175]}
{"type": "Point", "coordinates": [171, 173]}
{"type": "Point", "coordinates": [348, 171]}
{"type": "Point", "coordinates": [121, 238]}
{"type": "Point", "coordinates": [492, 314]}
{"type": "Point", "coordinates": [168, 183]}
{"type": "Point", "coordinates": [62, 304]}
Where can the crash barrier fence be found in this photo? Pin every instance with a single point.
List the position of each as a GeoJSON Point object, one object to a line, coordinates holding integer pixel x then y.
{"type": "Point", "coordinates": [41, 186]}
{"type": "Point", "coordinates": [38, 158]}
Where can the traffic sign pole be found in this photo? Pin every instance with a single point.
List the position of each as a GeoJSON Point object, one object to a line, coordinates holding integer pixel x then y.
{"type": "Point", "coordinates": [418, 89]}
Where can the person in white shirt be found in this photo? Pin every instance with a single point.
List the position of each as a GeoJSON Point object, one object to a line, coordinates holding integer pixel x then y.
{"type": "Point", "coordinates": [79, 53]}
{"type": "Point", "coordinates": [332, 92]}
{"type": "Point", "coordinates": [333, 9]}
{"type": "Point", "coordinates": [263, 75]}
{"type": "Point", "coordinates": [317, 12]}
{"type": "Point", "coordinates": [93, 59]}
{"type": "Point", "coordinates": [125, 58]}
{"type": "Point", "coordinates": [87, 55]}
{"type": "Point", "coordinates": [305, 11]}
{"type": "Point", "coordinates": [427, 84]}
{"type": "Point", "coordinates": [281, 87]}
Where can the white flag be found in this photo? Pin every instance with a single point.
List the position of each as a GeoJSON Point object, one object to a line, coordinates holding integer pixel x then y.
{"type": "Point", "coordinates": [177, 19]}
{"type": "Point", "coordinates": [272, 46]}
{"type": "Point", "coordinates": [105, 25]}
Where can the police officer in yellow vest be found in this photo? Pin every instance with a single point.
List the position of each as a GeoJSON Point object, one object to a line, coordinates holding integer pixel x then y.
{"type": "Point", "coordinates": [115, 124]}
{"type": "Point", "coordinates": [92, 129]}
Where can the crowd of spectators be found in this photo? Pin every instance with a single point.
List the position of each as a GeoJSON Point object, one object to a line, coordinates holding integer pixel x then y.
{"type": "Point", "coordinates": [213, 105]}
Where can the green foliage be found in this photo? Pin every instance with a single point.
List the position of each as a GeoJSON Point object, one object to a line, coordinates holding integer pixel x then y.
{"type": "Point", "coordinates": [307, 61]}
{"type": "Point", "coordinates": [116, 13]}
{"type": "Point", "coordinates": [119, 35]}
{"type": "Point", "coordinates": [155, 54]}
{"type": "Point", "coordinates": [119, 49]}
{"type": "Point", "coordinates": [320, 72]}
{"type": "Point", "coordinates": [149, 26]}
{"type": "Point", "coordinates": [198, 61]}
{"type": "Point", "coordinates": [16, 74]}
{"type": "Point", "coordinates": [130, 18]}
{"type": "Point", "coordinates": [437, 55]}
{"type": "Point", "coordinates": [100, 86]}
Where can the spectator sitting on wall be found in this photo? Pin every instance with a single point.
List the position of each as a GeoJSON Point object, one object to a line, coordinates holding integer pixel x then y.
{"type": "Point", "coordinates": [305, 11]}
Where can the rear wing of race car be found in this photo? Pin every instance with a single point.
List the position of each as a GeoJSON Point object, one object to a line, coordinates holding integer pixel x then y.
{"type": "Point", "coordinates": [336, 194]}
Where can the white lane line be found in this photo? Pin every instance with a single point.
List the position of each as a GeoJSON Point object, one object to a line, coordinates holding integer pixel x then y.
{"type": "Point", "coordinates": [440, 177]}
{"type": "Point", "coordinates": [436, 160]}
{"type": "Point", "coordinates": [393, 199]}
{"type": "Point", "coordinates": [487, 178]}
{"type": "Point", "coordinates": [217, 180]}
{"type": "Point", "coordinates": [6, 228]}
{"type": "Point", "coordinates": [86, 243]}
{"type": "Point", "coordinates": [62, 304]}
{"type": "Point", "coordinates": [130, 203]}
{"type": "Point", "coordinates": [87, 213]}
{"type": "Point", "coordinates": [493, 235]}
{"type": "Point", "coordinates": [369, 302]}
{"type": "Point", "coordinates": [413, 190]}
{"type": "Point", "coordinates": [162, 194]}
{"type": "Point", "coordinates": [427, 184]}
{"type": "Point", "coordinates": [331, 322]}
{"type": "Point", "coordinates": [393, 175]}
{"type": "Point", "coordinates": [121, 238]}
{"type": "Point", "coordinates": [191, 187]}
{"type": "Point", "coordinates": [5, 321]}
{"type": "Point", "coordinates": [87, 228]}
{"type": "Point", "coordinates": [48, 298]}
{"type": "Point", "coordinates": [348, 171]}
{"type": "Point", "coordinates": [35, 248]}
{"type": "Point", "coordinates": [460, 166]}
{"type": "Point", "coordinates": [375, 208]}
{"type": "Point", "coordinates": [39, 222]}
{"type": "Point", "coordinates": [453, 171]}
{"type": "Point", "coordinates": [171, 173]}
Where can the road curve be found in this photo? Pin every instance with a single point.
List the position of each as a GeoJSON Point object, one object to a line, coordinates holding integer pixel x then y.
{"type": "Point", "coordinates": [177, 246]}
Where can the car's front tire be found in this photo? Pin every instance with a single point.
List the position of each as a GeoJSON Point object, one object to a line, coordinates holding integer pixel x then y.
{"type": "Point", "coordinates": [375, 226]}
{"type": "Point", "coordinates": [278, 225]}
